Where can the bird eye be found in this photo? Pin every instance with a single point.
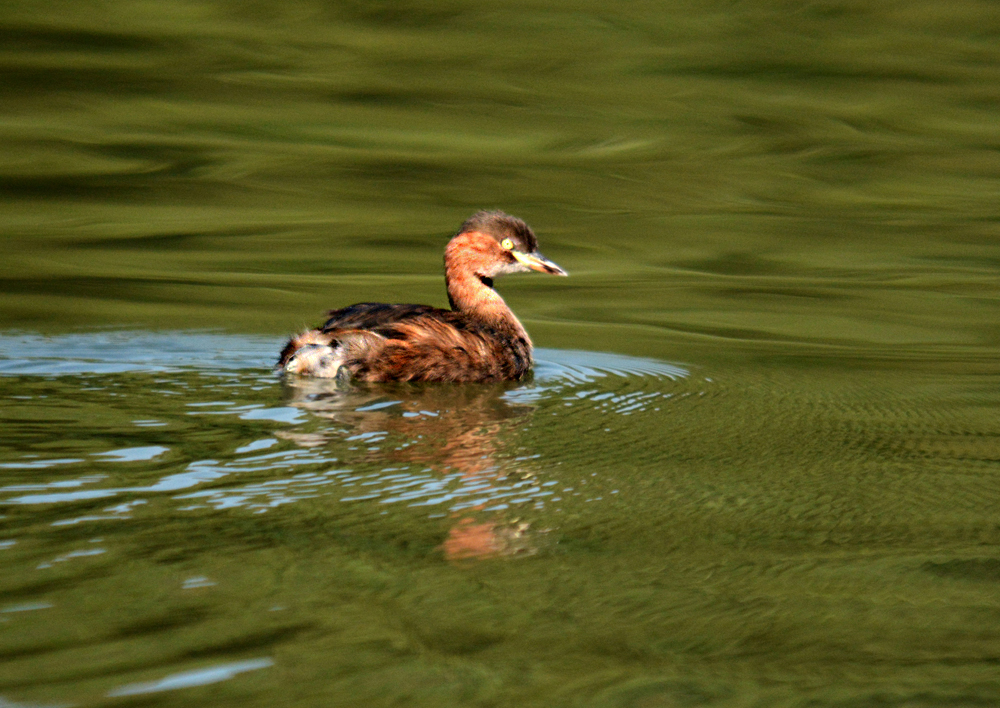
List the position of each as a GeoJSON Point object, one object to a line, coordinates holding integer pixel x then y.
{"type": "Point", "coordinates": [507, 244]}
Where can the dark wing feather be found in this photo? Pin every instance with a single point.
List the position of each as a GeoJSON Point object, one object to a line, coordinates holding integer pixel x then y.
{"type": "Point", "coordinates": [372, 315]}
{"type": "Point", "coordinates": [418, 343]}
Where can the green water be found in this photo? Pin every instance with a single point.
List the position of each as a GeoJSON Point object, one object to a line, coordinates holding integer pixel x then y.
{"type": "Point", "coordinates": [758, 464]}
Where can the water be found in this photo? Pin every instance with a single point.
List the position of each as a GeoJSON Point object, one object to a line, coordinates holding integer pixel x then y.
{"type": "Point", "coordinates": [616, 530]}
{"type": "Point", "coordinates": [757, 464]}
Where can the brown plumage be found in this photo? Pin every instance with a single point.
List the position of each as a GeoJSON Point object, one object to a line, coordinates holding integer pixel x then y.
{"type": "Point", "coordinates": [479, 339]}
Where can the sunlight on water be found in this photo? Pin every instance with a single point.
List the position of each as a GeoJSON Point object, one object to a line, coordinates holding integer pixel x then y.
{"type": "Point", "coordinates": [198, 677]}
{"type": "Point", "coordinates": [367, 424]}
{"type": "Point", "coordinates": [737, 479]}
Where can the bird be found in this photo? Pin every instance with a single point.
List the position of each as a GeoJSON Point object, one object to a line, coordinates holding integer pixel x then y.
{"type": "Point", "coordinates": [478, 340]}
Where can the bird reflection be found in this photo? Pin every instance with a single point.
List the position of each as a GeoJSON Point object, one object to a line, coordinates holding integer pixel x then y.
{"type": "Point", "coordinates": [448, 429]}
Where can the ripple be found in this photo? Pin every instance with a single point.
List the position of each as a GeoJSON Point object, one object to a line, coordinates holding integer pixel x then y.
{"type": "Point", "coordinates": [447, 449]}
{"type": "Point", "coordinates": [583, 366]}
{"type": "Point", "coordinates": [24, 354]}
{"type": "Point", "coordinates": [197, 677]}
{"type": "Point", "coordinates": [26, 607]}
{"type": "Point", "coordinates": [134, 454]}
{"type": "Point", "coordinates": [123, 352]}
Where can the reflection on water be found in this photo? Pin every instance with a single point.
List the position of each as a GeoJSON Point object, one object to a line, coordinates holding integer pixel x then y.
{"type": "Point", "coordinates": [798, 198]}
{"type": "Point", "coordinates": [216, 432]}
{"type": "Point", "coordinates": [453, 434]}
{"type": "Point", "coordinates": [187, 679]}
{"type": "Point", "coordinates": [456, 450]}
{"type": "Point", "coordinates": [199, 522]}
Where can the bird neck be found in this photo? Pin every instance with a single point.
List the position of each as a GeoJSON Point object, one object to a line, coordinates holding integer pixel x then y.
{"type": "Point", "coordinates": [472, 294]}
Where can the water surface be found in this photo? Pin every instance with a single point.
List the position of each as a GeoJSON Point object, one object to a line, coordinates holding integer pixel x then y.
{"type": "Point", "coordinates": [176, 516]}
{"type": "Point", "coordinates": [757, 464]}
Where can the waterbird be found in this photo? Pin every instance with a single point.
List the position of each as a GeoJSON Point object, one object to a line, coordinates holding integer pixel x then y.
{"type": "Point", "coordinates": [478, 340]}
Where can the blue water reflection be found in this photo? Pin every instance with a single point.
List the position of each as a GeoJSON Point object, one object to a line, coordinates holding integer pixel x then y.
{"type": "Point", "coordinates": [196, 677]}
{"type": "Point", "coordinates": [453, 450]}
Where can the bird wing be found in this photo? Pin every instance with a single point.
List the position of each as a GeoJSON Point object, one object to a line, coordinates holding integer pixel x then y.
{"type": "Point", "coordinates": [373, 315]}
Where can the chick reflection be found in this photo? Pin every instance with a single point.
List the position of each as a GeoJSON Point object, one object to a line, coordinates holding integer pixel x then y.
{"type": "Point", "coordinates": [448, 429]}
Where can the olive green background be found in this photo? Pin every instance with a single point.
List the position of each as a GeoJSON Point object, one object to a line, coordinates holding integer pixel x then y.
{"type": "Point", "coordinates": [797, 201]}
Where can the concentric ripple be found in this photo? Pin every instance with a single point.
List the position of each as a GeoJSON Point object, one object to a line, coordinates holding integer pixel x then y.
{"type": "Point", "coordinates": [209, 426]}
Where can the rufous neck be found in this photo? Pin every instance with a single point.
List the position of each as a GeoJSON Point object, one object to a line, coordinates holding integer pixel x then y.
{"type": "Point", "coordinates": [471, 292]}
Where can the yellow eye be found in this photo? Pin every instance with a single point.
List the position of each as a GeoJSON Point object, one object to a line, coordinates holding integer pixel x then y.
{"type": "Point", "coordinates": [507, 244]}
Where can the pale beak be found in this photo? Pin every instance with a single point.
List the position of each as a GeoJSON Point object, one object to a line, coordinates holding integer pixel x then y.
{"type": "Point", "coordinates": [536, 261]}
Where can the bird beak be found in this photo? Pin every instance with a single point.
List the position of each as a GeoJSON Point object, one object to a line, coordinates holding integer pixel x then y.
{"type": "Point", "coordinates": [536, 261]}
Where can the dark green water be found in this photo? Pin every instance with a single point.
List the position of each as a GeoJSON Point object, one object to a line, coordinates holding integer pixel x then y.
{"type": "Point", "coordinates": [759, 461]}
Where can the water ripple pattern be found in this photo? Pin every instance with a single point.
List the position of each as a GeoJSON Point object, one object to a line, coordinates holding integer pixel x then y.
{"type": "Point", "coordinates": [448, 449]}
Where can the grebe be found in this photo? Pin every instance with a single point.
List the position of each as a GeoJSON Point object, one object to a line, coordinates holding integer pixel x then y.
{"type": "Point", "coordinates": [479, 339]}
